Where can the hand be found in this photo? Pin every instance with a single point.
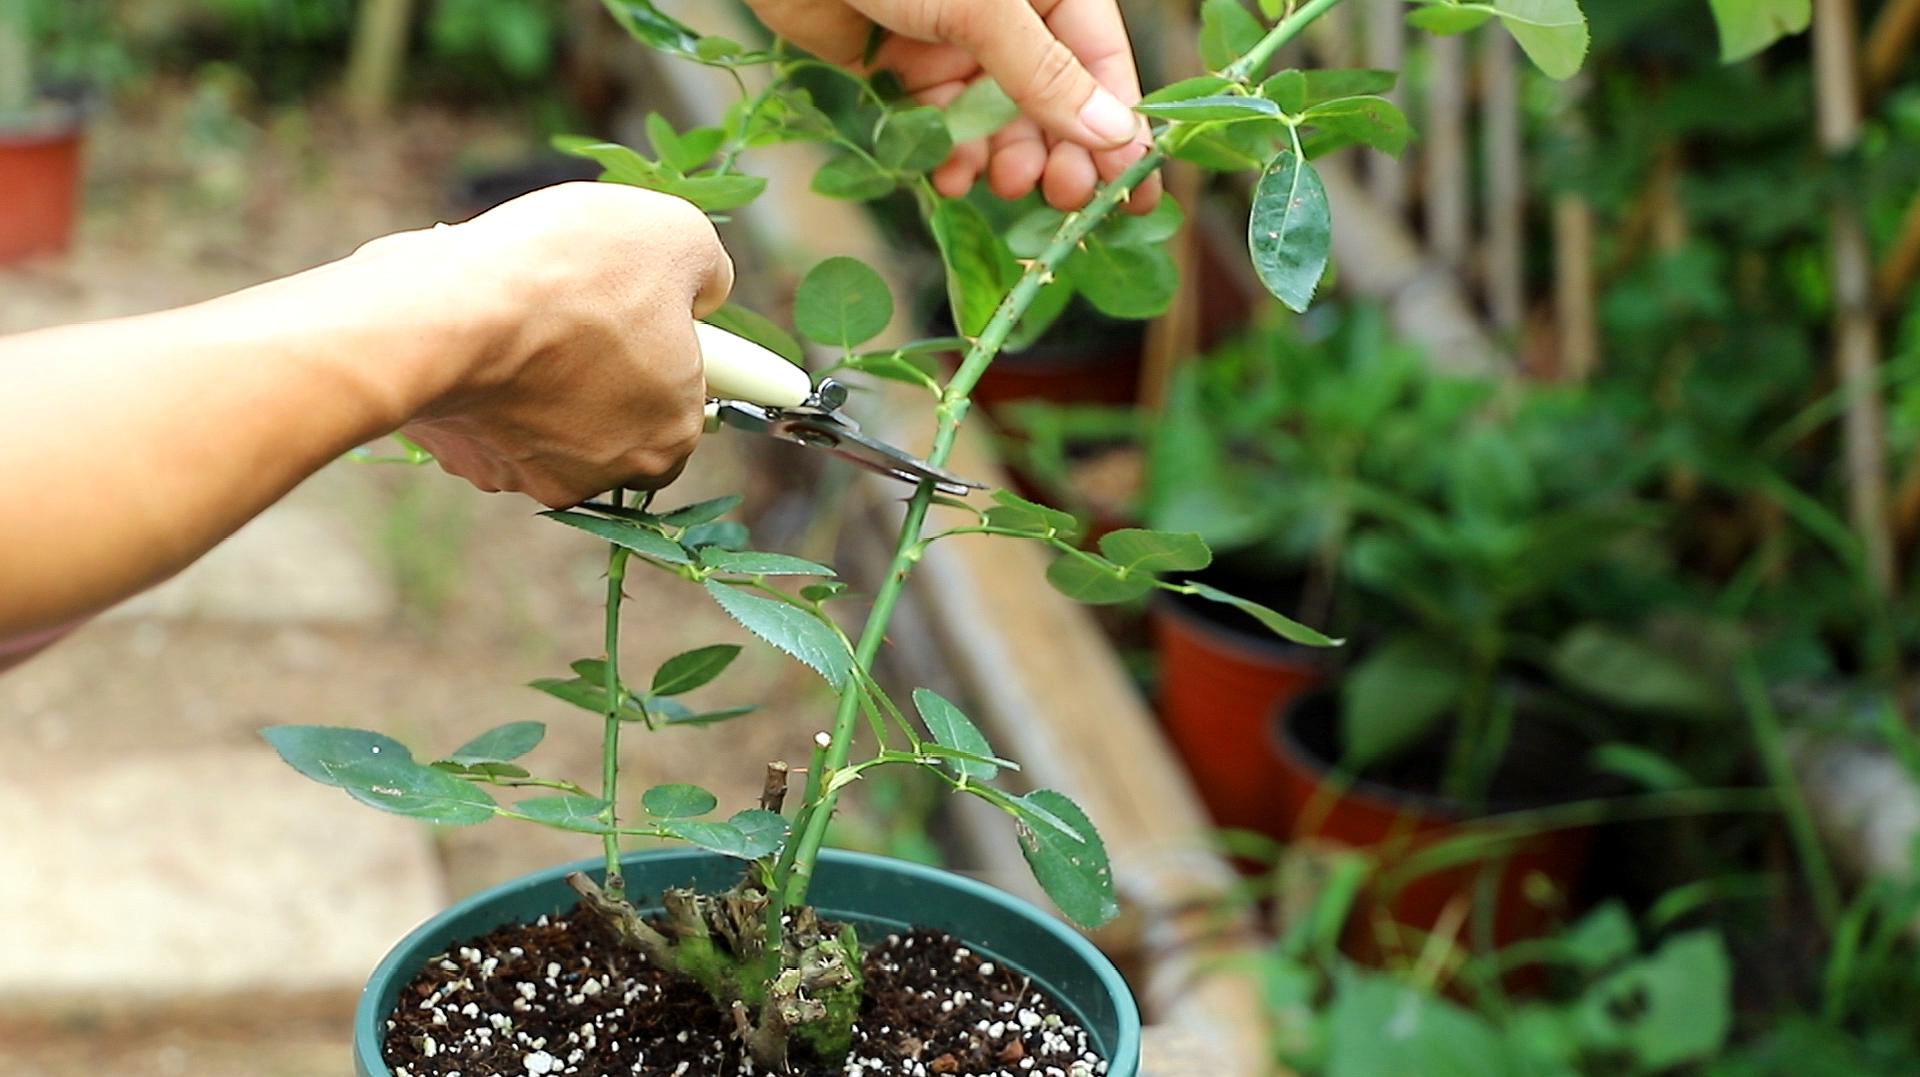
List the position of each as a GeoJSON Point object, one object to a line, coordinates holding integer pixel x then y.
{"type": "Point", "coordinates": [1066, 63]}
{"type": "Point", "coordinates": [598, 380]}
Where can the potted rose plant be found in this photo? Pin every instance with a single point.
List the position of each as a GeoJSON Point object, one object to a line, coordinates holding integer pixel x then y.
{"type": "Point", "coordinates": [39, 147]}
{"type": "Point", "coordinates": [755, 950]}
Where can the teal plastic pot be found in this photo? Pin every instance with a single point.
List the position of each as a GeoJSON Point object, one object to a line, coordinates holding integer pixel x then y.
{"type": "Point", "coordinates": [877, 895]}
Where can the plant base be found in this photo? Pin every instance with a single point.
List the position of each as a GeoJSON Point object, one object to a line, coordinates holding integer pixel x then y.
{"type": "Point", "coordinates": [1030, 953]}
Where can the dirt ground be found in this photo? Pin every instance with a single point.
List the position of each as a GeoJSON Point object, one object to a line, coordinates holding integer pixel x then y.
{"type": "Point", "coordinates": [471, 597]}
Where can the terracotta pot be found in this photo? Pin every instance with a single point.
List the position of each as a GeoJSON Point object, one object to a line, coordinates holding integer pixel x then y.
{"type": "Point", "coordinates": [40, 178]}
{"type": "Point", "coordinates": [1086, 362]}
{"type": "Point", "coordinates": [1219, 687]}
{"type": "Point", "coordinates": [1393, 823]}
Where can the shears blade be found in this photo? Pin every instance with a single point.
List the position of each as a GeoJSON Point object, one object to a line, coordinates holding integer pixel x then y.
{"type": "Point", "coordinates": [820, 423]}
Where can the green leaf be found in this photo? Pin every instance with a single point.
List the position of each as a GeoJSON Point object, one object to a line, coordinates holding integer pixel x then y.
{"type": "Point", "coordinates": [1369, 121]}
{"type": "Point", "coordinates": [716, 193]}
{"type": "Point", "coordinates": [1225, 147]}
{"type": "Point", "coordinates": [618, 164]}
{"type": "Point", "coordinates": [625, 533]}
{"type": "Point", "coordinates": [1031, 234]}
{"type": "Point", "coordinates": [567, 811]}
{"type": "Point", "coordinates": [952, 728]}
{"type": "Point", "coordinates": [912, 140]}
{"type": "Point", "coordinates": [1016, 513]}
{"type": "Point", "coordinates": [1636, 675]}
{"type": "Point", "coordinates": [760, 329]}
{"type": "Point", "coordinates": [852, 177]}
{"type": "Point", "coordinates": [1221, 107]}
{"type": "Point", "coordinates": [654, 28]}
{"type": "Point", "coordinates": [1287, 90]}
{"type": "Point", "coordinates": [794, 631]}
{"type": "Point", "coordinates": [1185, 89]}
{"type": "Point", "coordinates": [380, 772]}
{"type": "Point", "coordinates": [1748, 26]}
{"type": "Point", "coordinates": [1553, 33]}
{"type": "Point", "coordinates": [683, 152]}
{"type": "Point", "coordinates": [1648, 769]}
{"type": "Point", "coordinates": [1601, 938]}
{"type": "Point", "coordinates": [1281, 625]}
{"type": "Point", "coordinates": [500, 744]}
{"type": "Point", "coordinates": [1378, 1025]}
{"type": "Point", "coordinates": [1095, 580]}
{"type": "Point", "coordinates": [893, 367]}
{"type": "Point", "coordinates": [759, 563]}
{"type": "Point", "coordinates": [842, 302]}
{"type": "Point", "coordinates": [1071, 868]}
{"type": "Point", "coordinates": [682, 716]}
{"type": "Point", "coordinates": [980, 268]}
{"type": "Point", "coordinates": [1395, 696]}
{"type": "Point", "coordinates": [1448, 19]}
{"type": "Point", "coordinates": [1141, 229]}
{"type": "Point", "coordinates": [1290, 231]}
{"type": "Point", "coordinates": [980, 110]}
{"type": "Point", "coordinates": [324, 753]}
{"type": "Point", "coordinates": [821, 592]}
{"type": "Point", "coordinates": [726, 534]}
{"type": "Point", "coordinates": [1228, 31]}
{"type": "Point", "coordinates": [678, 801]}
{"type": "Point", "coordinates": [1047, 306]}
{"type": "Point", "coordinates": [690, 669]}
{"type": "Point", "coordinates": [1137, 549]}
{"type": "Point", "coordinates": [1672, 1007]}
{"type": "Point", "coordinates": [723, 838]}
{"type": "Point", "coordinates": [1331, 84]}
{"type": "Point", "coordinates": [762, 832]}
{"type": "Point", "coordinates": [714, 49]}
{"type": "Point", "coordinates": [1124, 282]}
{"type": "Point", "coordinates": [588, 694]}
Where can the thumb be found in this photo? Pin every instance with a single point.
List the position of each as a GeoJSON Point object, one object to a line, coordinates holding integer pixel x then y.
{"type": "Point", "coordinates": [1037, 70]}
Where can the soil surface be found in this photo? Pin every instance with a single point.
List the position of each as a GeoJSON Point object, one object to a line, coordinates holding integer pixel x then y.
{"type": "Point", "coordinates": [561, 996]}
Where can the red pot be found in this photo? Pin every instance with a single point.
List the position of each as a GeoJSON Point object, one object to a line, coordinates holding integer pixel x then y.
{"type": "Point", "coordinates": [1100, 366]}
{"type": "Point", "coordinates": [1219, 687]}
{"type": "Point", "coordinates": [40, 181]}
{"type": "Point", "coordinates": [1531, 883]}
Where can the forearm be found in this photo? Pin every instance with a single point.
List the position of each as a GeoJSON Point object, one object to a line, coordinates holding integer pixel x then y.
{"type": "Point", "coordinates": [128, 448]}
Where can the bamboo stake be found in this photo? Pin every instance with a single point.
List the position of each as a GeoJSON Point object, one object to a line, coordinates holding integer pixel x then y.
{"type": "Point", "coordinates": [1506, 183]}
{"type": "Point", "coordinates": [1386, 49]}
{"type": "Point", "coordinates": [1574, 293]}
{"type": "Point", "coordinates": [1855, 330]}
{"type": "Point", "coordinates": [1889, 41]}
{"type": "Point", "coordinates": [1175, 335]}
{"type": "Point", "coordinates": [1448, 211]}
{"type": "Point", "coordinates": [379, 49]}
{"type": "Point", "coordinates": [1902, 263]}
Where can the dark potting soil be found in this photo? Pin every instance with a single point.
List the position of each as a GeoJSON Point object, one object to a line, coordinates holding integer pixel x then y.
{"type": "Point", "coordinates": [560, 996]}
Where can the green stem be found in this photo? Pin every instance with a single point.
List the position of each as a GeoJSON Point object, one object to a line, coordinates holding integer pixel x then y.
{"type": "Point", "coordinates": [1765, 726]}
{"type": "Point", "coordinates": [810, 825]}
{"type": "Point", "coordinates": [615, 886]}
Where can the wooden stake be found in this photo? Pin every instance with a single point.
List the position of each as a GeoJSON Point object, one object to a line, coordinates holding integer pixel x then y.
{"type": "Point", "coordinates": [1902, 263]}
{"type": "Point", "coordinates": [1448, 211]}
{"type": "Point", "coordinates": [1574, 299]}
{"type": "Point", "coordinates": [379, 53]}
{"type": "Point", "coordinates": [1889, 41]}
{"type": "Point", "coordinates": [1386, 50]}
{"type": "Point", "coordinates": [1506, 182]}
{"type": "Point", "coordinates": [1855, 330]}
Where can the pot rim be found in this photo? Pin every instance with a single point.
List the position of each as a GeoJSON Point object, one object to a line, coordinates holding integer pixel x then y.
{"type": "Point", "coordinates": [1287, 745]}
{"type": "Point", "coordinates": [1263, 646]}
{"type": "Point", "coordinates": [48, 119]}
{"type": "Point", "coordinates": [369, 1020]}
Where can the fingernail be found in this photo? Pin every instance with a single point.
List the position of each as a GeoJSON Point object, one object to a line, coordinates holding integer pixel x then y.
{"type": "Point", "coordinates": [1108, 119]}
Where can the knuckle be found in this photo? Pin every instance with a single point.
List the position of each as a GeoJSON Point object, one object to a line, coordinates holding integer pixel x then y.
{"type": "Point", "coordinates": [1053, 78]}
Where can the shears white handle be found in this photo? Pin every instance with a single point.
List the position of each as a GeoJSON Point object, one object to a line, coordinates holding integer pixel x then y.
{"type": "Point", "coordinates": [739, 369]}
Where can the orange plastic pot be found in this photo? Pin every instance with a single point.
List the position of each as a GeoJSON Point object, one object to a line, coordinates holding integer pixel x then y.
{"type": "Point", "coordinates": [1219, 687]}
{"type": "Point", "coordinates": [39, 186]}
{"type": "Point", "coordinates": [1530, 883]}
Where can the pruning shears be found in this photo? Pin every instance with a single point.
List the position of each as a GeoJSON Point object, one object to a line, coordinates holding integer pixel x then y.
{"type": "Point", "coordinates": [752, 388]}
